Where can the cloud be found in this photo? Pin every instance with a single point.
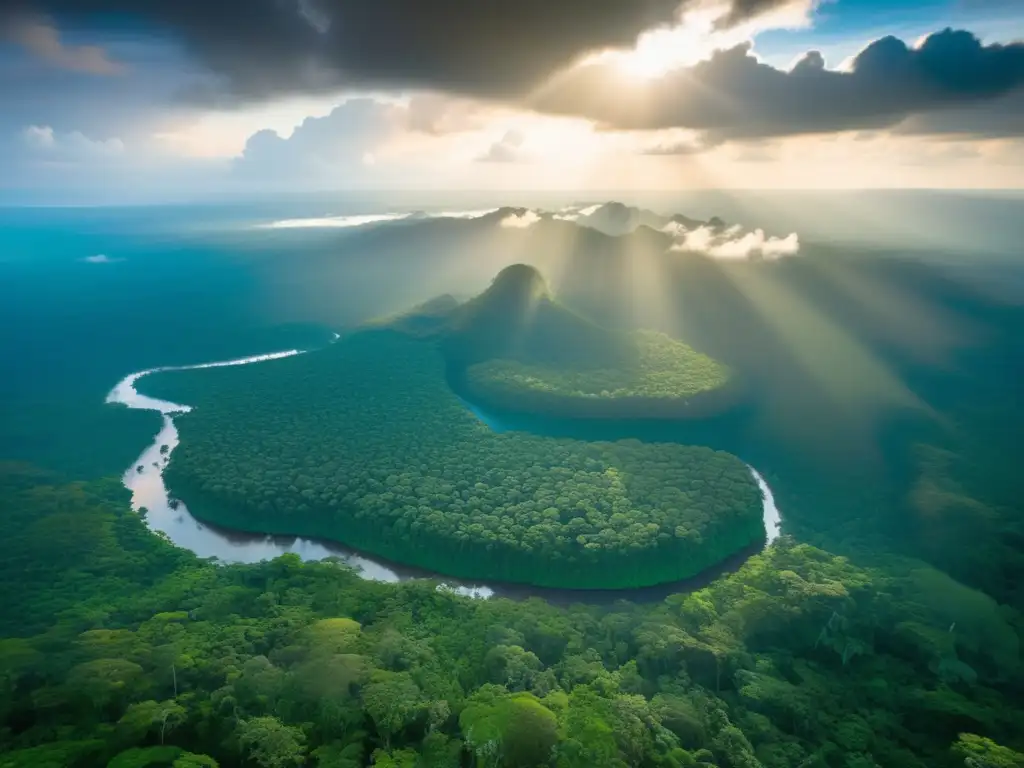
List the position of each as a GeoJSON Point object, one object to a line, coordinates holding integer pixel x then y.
{"type": "Point", "coordinates": [40, 37]}
{"type": "Point", "coordinates": [676, 147]}
{"type": "Point", "coordinates": [363, 220]}
{"type": "Point", "coordinates": [69, 146]}
{"type": "Point", "coordinates": [334, 222]}
{"type": "Point", "coordinates": [80, 144]}
{"type": "Point", "coordinates": [741, 10]}
{"type": "Point", "coordinates": [1000, 118]}
{"type": "Point", "coordinates": [506, 150]}
{"type": "Point", "coordinates": [438, 114]}
{"type": "Point", "coordinates": [39, 136]}
{"type": "Point", "coordinates": [264, 48]}
{"type": "Point", "coordinates": [734, 95]}
{"type": "Point", "coordinates": [521, 220]}
{"type": "Point", "coordinates": [338, 145]}
{"type": "Point", "coordinates": [99, 258]}
{"type": "Point", "coordinates": [732, 243]}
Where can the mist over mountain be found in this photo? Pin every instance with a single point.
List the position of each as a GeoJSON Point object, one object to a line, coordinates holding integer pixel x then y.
{"type": "Point", "coordinates": [615, 218]}
{"type": "Point", "coordinates": [517, 318]}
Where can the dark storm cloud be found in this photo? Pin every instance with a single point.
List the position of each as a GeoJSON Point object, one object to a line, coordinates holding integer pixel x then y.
{"type": "Point", "coordinates": [481, 47]}
{"type": "Point", "coordinates": [997, 119]}
{"type": "Point", "coordinates": [733, 95]}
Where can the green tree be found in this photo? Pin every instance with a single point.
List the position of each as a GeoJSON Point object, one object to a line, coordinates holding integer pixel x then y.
{"type": "Point", "coordinates": [393, 701]}
{"type": "Point", "coordinates": [400, 758]}
{"type": "Point", "coordinates": [147, 716]}
{"type": "Point", "coordinates": [979, 752]}
{"type": "Point", "coordinates": [271, 743]}
{"type": "Point", "coordinates": [508, 729]}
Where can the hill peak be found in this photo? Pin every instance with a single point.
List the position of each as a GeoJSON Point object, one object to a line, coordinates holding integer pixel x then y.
{"type": "Point", "coordinates": [520, 280]}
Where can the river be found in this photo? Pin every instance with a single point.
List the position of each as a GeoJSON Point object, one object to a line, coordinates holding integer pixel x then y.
{"type": "Point", "coordinates": [171, 518]}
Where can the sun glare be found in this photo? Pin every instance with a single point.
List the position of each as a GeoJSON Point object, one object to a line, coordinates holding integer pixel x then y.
{"type": "Point", "coordinates": [697, 36]}
{"type": "Point", "coordinates": [659, 52]}
{"type": "Point", "coordinates": [662, 50]}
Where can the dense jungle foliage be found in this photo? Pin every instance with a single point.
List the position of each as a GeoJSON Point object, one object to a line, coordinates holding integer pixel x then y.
{"type": "Point", "coordinates": [887, 657]}
{"type": "Point", "coordinates": [120, 650]}
{"type": "Point", "coordinates": [362, 442]}
{"type": "Point", "coordinates": [666, 379]}
{"type": "Point", "coordinates": [514, 346]}
{"type": "Point", "coordinates": [665, 368]}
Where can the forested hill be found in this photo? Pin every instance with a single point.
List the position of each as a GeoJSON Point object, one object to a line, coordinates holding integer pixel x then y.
{"type": "Point", "coordinates": [515, 347]}
{"type": "Point", "coordinates": [517, 317]}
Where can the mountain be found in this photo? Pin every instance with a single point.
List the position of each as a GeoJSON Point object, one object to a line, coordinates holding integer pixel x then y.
{"type": "Point", "coordinates": [616, 219]}
{"type": "Point", "coordinates": [515, 347]}
{"type": "Point", "coordinates": [518, 318]}
{"type": "Point", "coordinates": [424, 320]}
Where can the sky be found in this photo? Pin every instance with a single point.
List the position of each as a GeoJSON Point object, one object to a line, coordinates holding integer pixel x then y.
{"type": "Point", "coordinates": [116, 100]}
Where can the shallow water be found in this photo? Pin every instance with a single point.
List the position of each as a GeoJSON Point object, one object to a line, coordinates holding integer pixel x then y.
{"type": "Point", "coordinates": [144, 478]}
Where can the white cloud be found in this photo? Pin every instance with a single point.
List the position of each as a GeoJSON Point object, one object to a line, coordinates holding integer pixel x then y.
{"type": "Point", "coordinates": [344, 144]}
{"type": "Point", "coordinates": [698, 35]}
{"type": "Point", "coordinates": [39, 136]}
{"type": "Point", "coordinates": [99, 258]}
{"type": "Point", "coordinates": [70, 146]}
{"type": "Point", "coordinates": [340, 222]}
{"type": "Point", "coordinates": [521, 220]}
{"type": "Point", "coordinates": [79, 143]}
{"type": "Point", "coordinates": [732, 243]}
{"type": "Point", "coordinates": [438, 114]}
{"type": "Point", "coordinates": [508, 149]}
{"type": "Point", "coordinates": [362, 220]}
{"type": "Point", "coordinates": [474, 214]}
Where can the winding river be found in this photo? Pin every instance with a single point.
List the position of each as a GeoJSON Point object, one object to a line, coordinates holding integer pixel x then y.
{"type": "Point", "coordinates": [171, 518]}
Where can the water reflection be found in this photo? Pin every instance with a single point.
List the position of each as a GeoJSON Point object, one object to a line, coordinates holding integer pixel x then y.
{"type": "Point", "coordinates": [172, 519]}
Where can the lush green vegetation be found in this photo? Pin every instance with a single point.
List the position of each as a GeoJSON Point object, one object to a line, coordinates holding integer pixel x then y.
{"type": "Point", "coordinates": [117, 649]}
{"type": "Point", "coordinates": [665, 377]}
{"type": "Point", "coordinates": [515, 347]}
{"type": "Point", "coordinates": [665, 368]}
{"type": "Point", "coordinates": [56, 432]}
{"type": "Point", "coordinates": [362, 442]}
{"type": "Point", "coordinates": [123, 651]}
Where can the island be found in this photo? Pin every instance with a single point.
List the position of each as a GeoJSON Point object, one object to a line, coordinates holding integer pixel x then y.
{"type": "Point", "coordinates": [365, 443]}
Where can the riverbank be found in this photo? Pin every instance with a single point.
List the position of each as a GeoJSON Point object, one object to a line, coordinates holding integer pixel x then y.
{"type": "Point", "coordinates": [173, 519]}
